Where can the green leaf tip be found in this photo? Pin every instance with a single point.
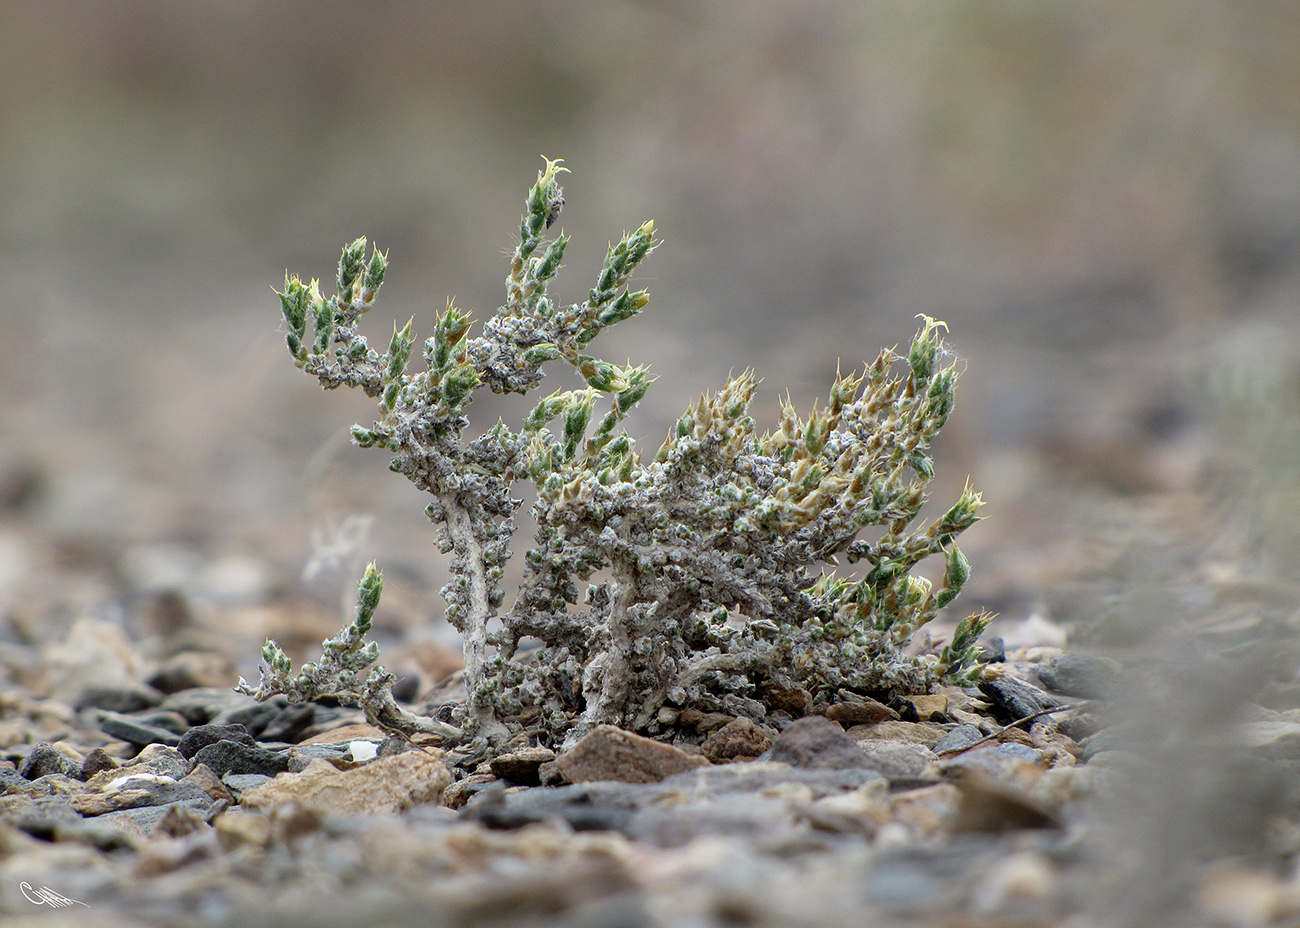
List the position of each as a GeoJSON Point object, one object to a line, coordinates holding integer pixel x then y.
{"type": "Point", "coordinates": [369, 588]}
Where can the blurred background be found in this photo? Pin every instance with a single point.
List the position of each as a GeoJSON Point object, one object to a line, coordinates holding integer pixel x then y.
{"type": "Point", "coordinates": [1102, 199]}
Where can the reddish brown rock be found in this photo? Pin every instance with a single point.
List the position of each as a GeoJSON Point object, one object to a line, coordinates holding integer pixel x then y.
{"type": "Point", "coordinates": [610, 753]}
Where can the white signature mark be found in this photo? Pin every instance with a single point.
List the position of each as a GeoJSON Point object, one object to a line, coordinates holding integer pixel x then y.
{"type": "Point", "coordinates": [46, 896]}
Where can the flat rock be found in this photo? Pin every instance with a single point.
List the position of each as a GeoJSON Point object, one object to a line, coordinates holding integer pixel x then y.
{"type": "Point", "coordinates": [597, 806]}
{"type": "Point", "coordinates": [134, 731]}
{"type": "Point", "coordinates": [156, 758]}
{"type": "Point", "coordinates": [117, 698]}
{"type": "Point", "coordinates": [522, 766]}
{"type": "Point", "coordinates": [897, 760]}
{"type": "Point", "coordinates": [861, 711]}
{"type": "Point", "coordinates": [817, 743]}
{"type": "Point", "coordinates": [916, 732]}
{"type": "Point", "coordinates": [763, 776]}
{"type": "Point", "coordinates": [1277, 738]}
{"type": "Point", "coordinates": [340, 755]}
{"type": "Point", "coordinates": [137, 790]}
{"type": "Point", "coordinates": [346, 733]}
{"type": "Point", "coordinates": [960, 738]}
{"type": "Point", "coordinates": [767, 823]}
{"type": "Point", "coordinates": [1015, 698]}
{"type": "Point", "coordinates": [289, 723]}
{"type": "Point", "coordinates": [610, 753]}
{"type": "Point", "coordinates": [225, 757]}
{"type": "Point", "coordinates": [201, 736]}
{"type": "Point", "coordinates": [202, 705]}
{"type": "Point", "coordinates": [239, 783]}
{"type": "Point", "coordinates": [1084, 675]}
{"type": "Point", "coordinates": [384, 786]}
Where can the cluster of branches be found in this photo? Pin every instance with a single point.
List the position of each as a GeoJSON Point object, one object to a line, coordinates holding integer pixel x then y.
{"type": "Point", "coordinates": [702, 577]}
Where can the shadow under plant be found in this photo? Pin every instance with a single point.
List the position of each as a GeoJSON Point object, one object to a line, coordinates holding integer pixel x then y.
{"type": "Point", "coordinates": [708, 570]}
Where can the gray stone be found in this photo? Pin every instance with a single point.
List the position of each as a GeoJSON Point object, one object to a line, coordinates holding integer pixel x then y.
{"type": "Point", "coordinates": [255, 717]}
{"type": "Point", "coordinates": [817, 743]}
{"type": "Point", "coordinates": [1015, 698]}
{"type": "Point", "coordinates": [300, 755]}
{"type": "Point", "coordinates": [762, 776]}
{"type": "Point", "coordinates": [134, 732]}
{"type": "Point", "coordinates": [289, 723]}
{"type": "Point", "coordinates": [12, 779]}
{"type": "Point", "coordinates": [202, 705]}
{"type": "Point", "coordinates": [202, 735]}
{"type": "Point", "coordinates": [238, 782]}
{"type": "Point", "coordinates": [147, 816]}
{"type": "Point", "coordinates": [139, 790]}
{"type": "Point", "coordinates": [960, 738]}
{"type": "Point", "coordinates": [233, 757]}
{"type": "Point", "coordinates": [192, 669]}
{"type": "Point", "coordinates": [763, 823]}
{"type": "Point", "coordinates": [1084, 675]}
{"type": "Point", "coordinates": [599, 806]}
{"type": "Point", "coordinates": [117, 698]}
{"type": "Point", "coordinates": [897, 760]}
{"type": "Point", "coordinates": [45, 759]}
{"type": "Point", "coordinates": [98, 833]}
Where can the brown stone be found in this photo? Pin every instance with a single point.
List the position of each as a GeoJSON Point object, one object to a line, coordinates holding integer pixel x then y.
{"type": "Point", "coordinates": [927, 706]}
{"type": "Point", "coordinates": [711, 721]}
{"type": "Point", "coordinates": [203, 777]}
{"type": "Point", "coordinates": [1011, 735]}
{"type": "Point", "coordinates": [898, 730]}
{"type": "Point", "coordinates": [236, 827]}
{"type": "Point", "coordinates": [190, 669]}
{"type": "Point", "coordinates": [388, 785]}
{"type": "Point", "coordinates": [817, 743]}
{"type": "Point", "coordinates": [179, 821]}
{"type": "Point", "coordinates": [928, 811]}
{"type": "Point", "coordinates": [739, 739]}
{"type": "Point", "coordinates": [610, 753]}
{"type": "Point", "coordinates": [797, 700]}
{"type": "Point", "coordinates": [860, 712]}
{"type": "Point", "coordinates": [689, 718]}
{"type": "Point", "coordinates": [345, 733]}
{"type": "Point", "coordinates": [991, 805]}
{"type": "Point", "coordinates": [457, 794]}
{"type": "Point", "coordinates": [522, 766]}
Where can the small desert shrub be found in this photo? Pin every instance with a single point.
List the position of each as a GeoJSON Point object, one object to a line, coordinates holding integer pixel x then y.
{"type": "Point", "coordinates": [701, 577]}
